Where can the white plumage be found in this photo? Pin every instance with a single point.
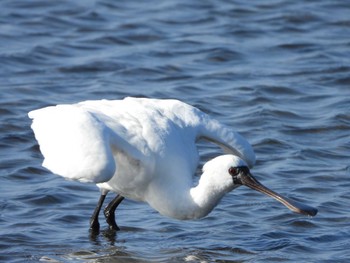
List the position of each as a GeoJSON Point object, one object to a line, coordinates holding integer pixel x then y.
{"type": "Point", "coordinates": [142, 149]}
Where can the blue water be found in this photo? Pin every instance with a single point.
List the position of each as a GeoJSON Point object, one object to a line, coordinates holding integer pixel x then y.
{"type": "Point", "coordinates": [277, 71]}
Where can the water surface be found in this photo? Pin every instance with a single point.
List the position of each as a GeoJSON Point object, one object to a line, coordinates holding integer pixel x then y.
{"type": "Point", "coordinates": [277, 71]}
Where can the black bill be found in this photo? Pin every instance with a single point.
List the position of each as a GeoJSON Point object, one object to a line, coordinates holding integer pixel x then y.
{"type": "Point", "coordinates": [248, 180]}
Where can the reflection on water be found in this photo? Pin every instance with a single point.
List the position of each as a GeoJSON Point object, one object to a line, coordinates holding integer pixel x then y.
{"type": "Point", "coordinates": [276, 71]}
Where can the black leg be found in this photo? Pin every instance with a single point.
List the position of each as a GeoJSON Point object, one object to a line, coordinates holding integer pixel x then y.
{"type": "Point", "coordinates": [94, 224]}
{"type": "Point", "coordinates": [110, 212]}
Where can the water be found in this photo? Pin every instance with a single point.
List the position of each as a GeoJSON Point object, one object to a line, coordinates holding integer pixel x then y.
{"type": "Point", "coordinates": [277, 71]}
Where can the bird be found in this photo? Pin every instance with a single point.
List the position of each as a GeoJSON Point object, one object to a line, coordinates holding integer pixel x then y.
{"type": "Point", "coordinates": [146, 149]}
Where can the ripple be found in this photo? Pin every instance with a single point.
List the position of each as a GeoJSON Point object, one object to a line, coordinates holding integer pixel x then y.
{"type": "Point", "coordinates": [276, 71]}
{"type": "Point", "coordinates": [219, 55]}
{"type": "Point", "coordinates": [305, 47]}
{"type": "Point", "coordinates": [96, 66]}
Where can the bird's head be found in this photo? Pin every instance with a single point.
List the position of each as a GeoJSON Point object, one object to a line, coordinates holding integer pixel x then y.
{"type": "Point", "coordinates": [231, 171]}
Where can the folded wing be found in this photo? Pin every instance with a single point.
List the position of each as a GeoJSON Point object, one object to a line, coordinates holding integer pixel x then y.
{"type": "Point", "coordinates": [75, 144]}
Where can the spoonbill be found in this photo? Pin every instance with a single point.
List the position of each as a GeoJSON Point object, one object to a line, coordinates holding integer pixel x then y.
{"type": "Point", "coordinates": [145, 150]}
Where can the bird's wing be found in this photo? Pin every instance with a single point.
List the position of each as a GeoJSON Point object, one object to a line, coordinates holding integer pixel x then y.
{"type": "Point", "coordinates": [76, 144]}
{"type": "Point", "coordinates": [229, 140]}
{"type": "Point", "coordinates": [200, 125]}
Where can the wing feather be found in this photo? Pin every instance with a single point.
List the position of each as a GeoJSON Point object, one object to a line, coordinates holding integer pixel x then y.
{"type": "Point", "coordinates": [75, 144]}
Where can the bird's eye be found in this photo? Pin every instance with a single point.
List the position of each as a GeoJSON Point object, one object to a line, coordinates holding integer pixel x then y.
{"type": "Point", "coordinates": [233, 171]}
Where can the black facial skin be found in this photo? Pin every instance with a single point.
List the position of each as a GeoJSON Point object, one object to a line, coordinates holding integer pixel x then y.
{"type": "Point", "coordinates": [236, 171]}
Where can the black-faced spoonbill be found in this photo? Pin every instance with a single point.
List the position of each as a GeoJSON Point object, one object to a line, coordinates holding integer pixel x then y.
{"type": "Point", "coordinates": [145, 150]}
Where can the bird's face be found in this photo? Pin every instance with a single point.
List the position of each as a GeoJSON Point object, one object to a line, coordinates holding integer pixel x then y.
{"type": "Point", "coordinates": [240, 174]}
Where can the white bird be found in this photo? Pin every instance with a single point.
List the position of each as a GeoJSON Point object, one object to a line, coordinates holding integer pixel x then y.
{"type": "Point", "coordinates": [145, 150]}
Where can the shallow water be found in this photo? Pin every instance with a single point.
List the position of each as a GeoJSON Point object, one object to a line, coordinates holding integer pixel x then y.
{"type": "Point", "coordinates": [277, 71]}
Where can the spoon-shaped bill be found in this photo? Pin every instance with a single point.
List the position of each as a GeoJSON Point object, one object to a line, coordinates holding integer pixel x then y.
{"type": "Point", "coordinates": [248, 180]}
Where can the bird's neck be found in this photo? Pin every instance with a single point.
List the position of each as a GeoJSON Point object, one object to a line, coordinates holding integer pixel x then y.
{"type": "Point", "coordinates": [186, 202]}
{"type": "Point", "coordinates": [205, 196]}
